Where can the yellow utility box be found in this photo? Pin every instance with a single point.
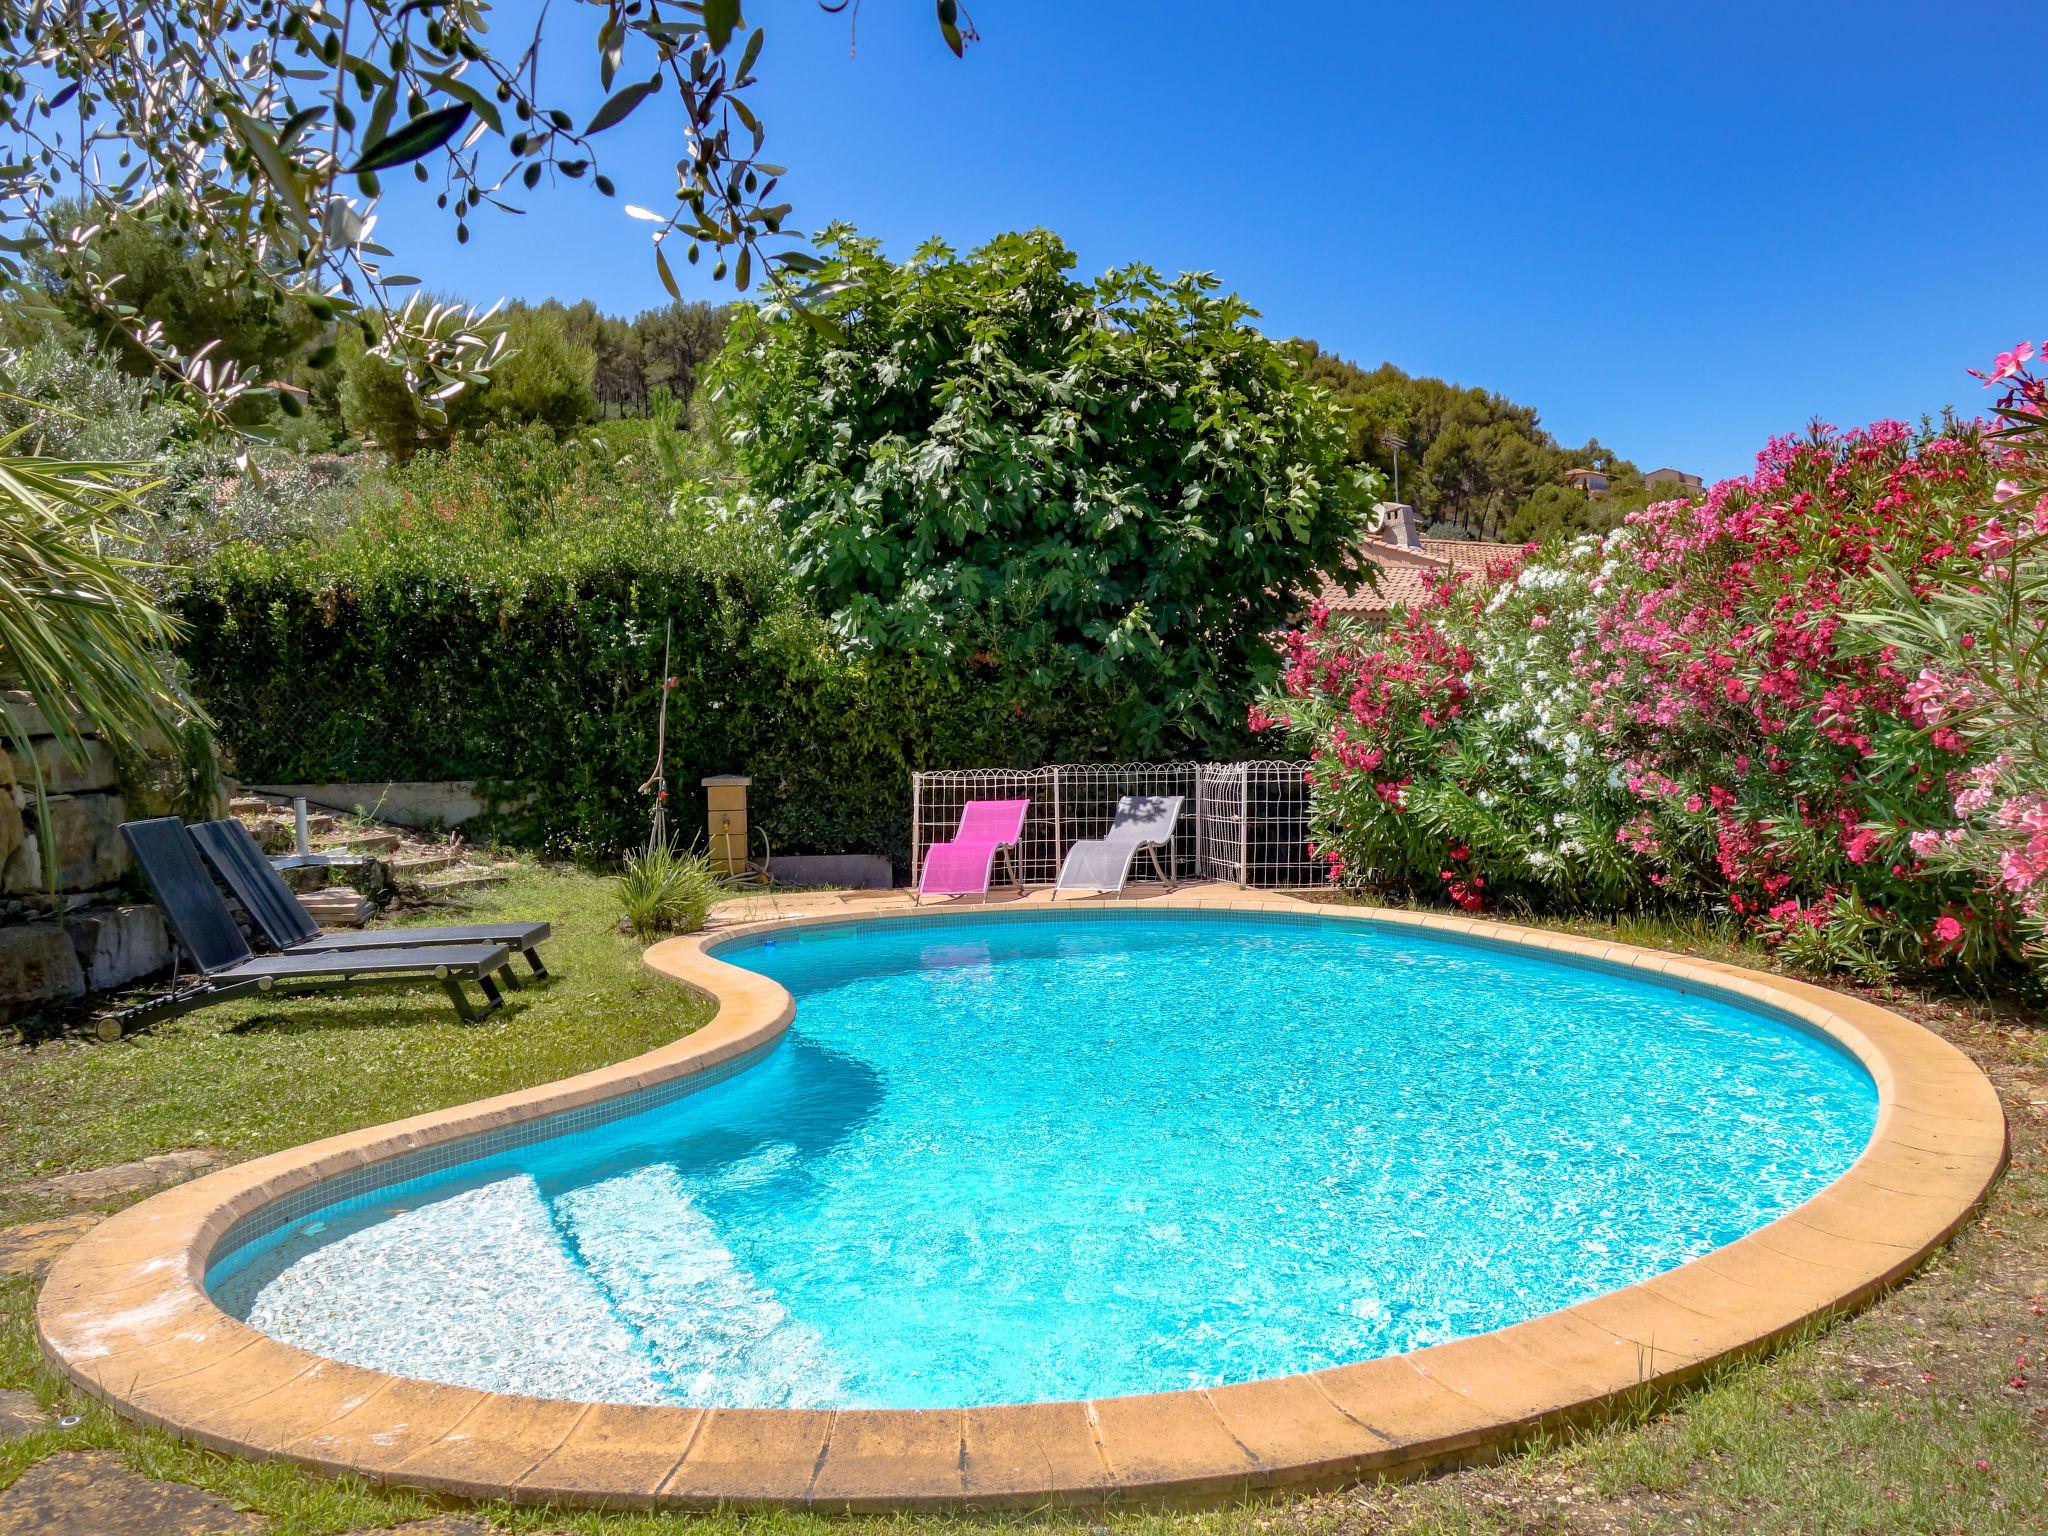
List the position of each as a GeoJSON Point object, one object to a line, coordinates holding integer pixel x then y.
{"type": "Point", "coordinates": [725, 821]}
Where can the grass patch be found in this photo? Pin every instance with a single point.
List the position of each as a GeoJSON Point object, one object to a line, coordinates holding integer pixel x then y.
{"type": "Point", "coordinates": [258, 1075]}
{"type": "Point", "coordinates": [1877, 1425]}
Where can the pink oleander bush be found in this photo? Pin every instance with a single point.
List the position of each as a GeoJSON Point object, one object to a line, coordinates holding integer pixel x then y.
{"type": "Point", "coordinates": [1978, 631]}
{"type": "Point", "coordinates": [1698, 712]}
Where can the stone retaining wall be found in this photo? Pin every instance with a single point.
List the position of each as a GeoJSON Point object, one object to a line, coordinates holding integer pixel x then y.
{"type": "Point", "coordinates": [95, 933]}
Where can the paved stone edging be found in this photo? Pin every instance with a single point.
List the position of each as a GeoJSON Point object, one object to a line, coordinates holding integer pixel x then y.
{"type": "Point", "coordinates": [126, 1316]}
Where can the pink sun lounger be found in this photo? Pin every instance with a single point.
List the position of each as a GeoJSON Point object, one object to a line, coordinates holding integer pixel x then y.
{"type": "Point", "coordinates": [962, 867]}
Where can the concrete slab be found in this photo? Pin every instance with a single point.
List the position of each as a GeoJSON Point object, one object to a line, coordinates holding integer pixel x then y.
{"type": "Point", "coordinates": [96, 1493]}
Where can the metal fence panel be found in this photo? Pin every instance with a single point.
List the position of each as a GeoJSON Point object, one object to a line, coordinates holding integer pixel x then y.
{"type": "Point", "coordinates": [1225, 830]}
{"type": "Point", "coordinates": [1276, 826]}
{"type": "Point", "coordinates": [1242, 822]}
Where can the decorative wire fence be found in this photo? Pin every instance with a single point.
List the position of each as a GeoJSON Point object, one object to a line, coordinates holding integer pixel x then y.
{"type": "Point", "coordinates": [1255, 823]}
{"type": "Point", "coordinates": [1243, 822]}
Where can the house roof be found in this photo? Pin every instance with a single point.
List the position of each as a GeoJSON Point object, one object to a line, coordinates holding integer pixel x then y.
{"type": "Point", "coordinates": [1405, 574]}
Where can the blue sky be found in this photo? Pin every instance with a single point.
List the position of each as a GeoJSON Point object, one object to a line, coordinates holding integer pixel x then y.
{"type": "Point", "coordinates": [1681, 228]}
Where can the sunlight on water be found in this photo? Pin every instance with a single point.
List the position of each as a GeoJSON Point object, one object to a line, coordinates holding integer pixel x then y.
{"type": "Point", "coordinates": [1017, 1161]}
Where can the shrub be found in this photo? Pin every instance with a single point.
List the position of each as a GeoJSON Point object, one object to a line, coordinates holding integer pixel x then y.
{"type": "Point", "coordinates": [542, 379]}
{"type": "Point", "coordinates": [1973, 625]}
{"type": "Point", "coordinates": [1674, 714]}
{"type": "Point", "coordinates": [285, 501]}
{"type": "Point", "coordinates": [71, 400]}
{"type": "Point", "coordinates": [496, 613]}
{"type": "Point", "coordinates": [664, 890]}
{"type": "Point", "coordinates": [1116, 487]}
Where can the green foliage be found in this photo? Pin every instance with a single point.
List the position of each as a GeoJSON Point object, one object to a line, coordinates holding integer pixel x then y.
{"type": "Point", "coordinates": [167, 282]}
{"type": "Point", "coordinates": [71, 400]}
{"type": "Point", "coordinates": [286, 499]}
{"type": "Point", "coordinates": [229, 127]}
{"type": "Point", "coordinates": [1555, 508]}
{"type": "Point", "coordinates": [563, 367]}
{"type": "Point", "coordinates": [542, 378]}
{"type": "Point", "coordinates": [666, 890]}
{"type": "Point", "coordinates": [1853, 942]}
{"type": "Point", "coordinates": [78, 629]}
{"type": "Point", "coordinates": [1113, 488]}
{"type": "Point", "coordinates": [1473, 458]}
{"type": "Point", "coordinates": [377, 403]}
{"type": "Point", "coordinates": [495, 612]}
{"type": "Point", "coordinates": [682, 455]}
{"type": "Point", "coordinates": [75, 403]}
{"type": "Point", "coordinates": [658, 349]}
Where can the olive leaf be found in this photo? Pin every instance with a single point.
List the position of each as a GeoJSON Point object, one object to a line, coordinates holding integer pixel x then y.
{"type": "Point", "coordinates": [720, 17]}
{"type": "Point", "coordinates": [620, 104]}
{"type": "Point", "coordinates": [421, 136]}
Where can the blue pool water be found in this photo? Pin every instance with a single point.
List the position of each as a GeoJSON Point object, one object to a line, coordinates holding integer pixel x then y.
{"type": "Point", "coordinates": [1005, 1161]}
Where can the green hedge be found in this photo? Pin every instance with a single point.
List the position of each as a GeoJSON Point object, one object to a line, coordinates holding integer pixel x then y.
{"type": "Point", "coordinates": [436, 643]}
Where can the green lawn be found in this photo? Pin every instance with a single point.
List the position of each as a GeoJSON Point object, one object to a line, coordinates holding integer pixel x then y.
{"type": "Point", "coordinates": [260, 1075]}
{"type": "Point", "coordinates": [1902, 1420]}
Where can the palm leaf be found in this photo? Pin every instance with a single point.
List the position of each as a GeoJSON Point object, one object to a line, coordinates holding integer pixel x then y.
{"type": "Point", "coordinates": [80, 632]}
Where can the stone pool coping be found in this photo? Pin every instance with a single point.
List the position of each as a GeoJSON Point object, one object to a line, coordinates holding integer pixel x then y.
{"type": "Point", "coordinates": [126, 1316]}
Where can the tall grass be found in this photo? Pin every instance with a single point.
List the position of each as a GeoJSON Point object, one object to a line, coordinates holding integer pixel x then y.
{"type": "Point", "coordinates": [666, 890]}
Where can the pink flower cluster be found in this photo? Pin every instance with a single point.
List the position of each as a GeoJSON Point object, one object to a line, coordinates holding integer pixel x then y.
{"type": "Point", "coordinates": [1712, 716]}
{"type": "Point", "coordinates": [2002, 804]}
{"type": "Point", "coordinates": [1932, 698]}
{"type": "Point", "coordinates": [2009, 365]}
{"type": "Point", "coordinates": [2023, 866]}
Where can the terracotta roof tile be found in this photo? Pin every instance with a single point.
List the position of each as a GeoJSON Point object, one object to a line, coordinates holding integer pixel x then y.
{"type": "Point", "coordinates": [1405, 574]}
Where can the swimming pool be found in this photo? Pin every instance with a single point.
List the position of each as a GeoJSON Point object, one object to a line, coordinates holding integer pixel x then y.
{"type": "Point", "coordinates": [1020, 1159]}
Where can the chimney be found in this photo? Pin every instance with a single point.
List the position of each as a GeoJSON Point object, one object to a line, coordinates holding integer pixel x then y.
{"type": "Point", "coordinates": [1398, 525]}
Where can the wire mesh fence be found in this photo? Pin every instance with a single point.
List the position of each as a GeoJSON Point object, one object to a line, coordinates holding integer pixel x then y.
{"type": "Point", "coordinates": [1243, 822]}
{"type": "Point", "coordinates": [1255, 823]}
{"type": "Point", "coordinates": [313, 726]}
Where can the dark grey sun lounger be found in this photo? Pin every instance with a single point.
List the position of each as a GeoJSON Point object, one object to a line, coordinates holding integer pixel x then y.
{"type": "Point", "coordinates": [231, 848]}
{"type": "Point", "coordinates": [1142, 822]}
{"type": "Point", "coordinates": [228, 968]}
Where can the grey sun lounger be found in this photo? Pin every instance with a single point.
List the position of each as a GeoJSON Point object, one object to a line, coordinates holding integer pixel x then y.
{"type": "Point", "coordinates": [207, 932]}
{"type": "Point", "coordinates": [231, 848]}
{"type": "Point", "coordinates": [1142, 823]}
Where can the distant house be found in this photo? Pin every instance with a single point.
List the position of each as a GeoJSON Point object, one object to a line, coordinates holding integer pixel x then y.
{"type": "Point", "coordinates": [1676, 477]}
{"type": "Point", "coordinates": [1406, 563]}
{"type": "Point", "coordinates": [1592, 481]}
